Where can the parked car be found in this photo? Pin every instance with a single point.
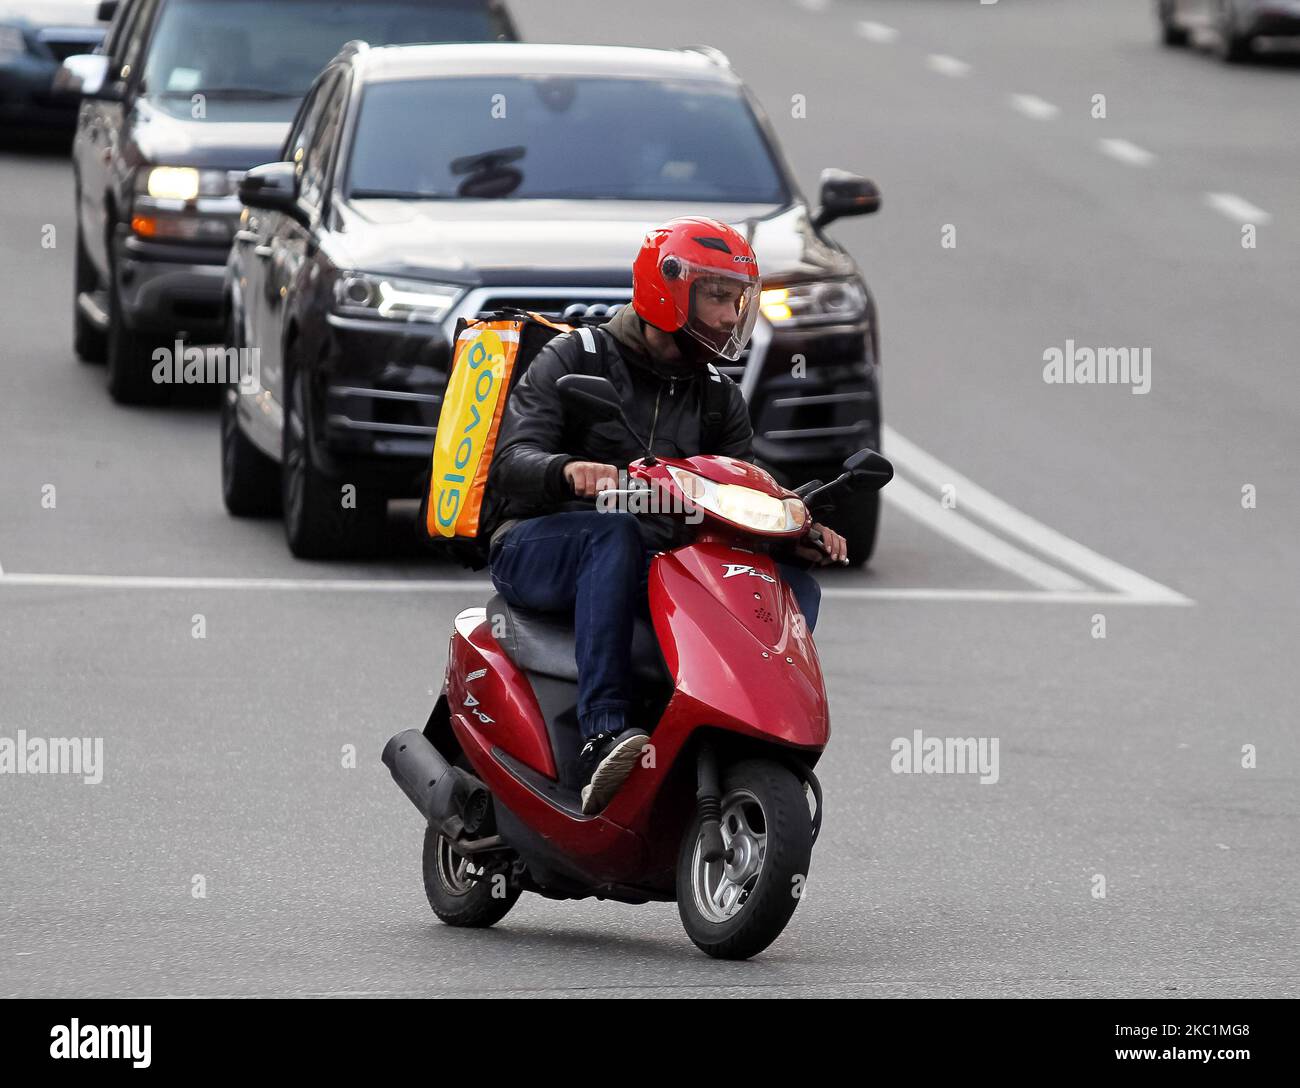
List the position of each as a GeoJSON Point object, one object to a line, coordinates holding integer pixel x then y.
{"type": "Point", "coordinates": [35, 39]}
{"type": "Point", "coordinates": [423, 183]}
{"type": "Point", "coordinates": [1236, 23]}
{"type": "Point", "coordinates": [184, 98]}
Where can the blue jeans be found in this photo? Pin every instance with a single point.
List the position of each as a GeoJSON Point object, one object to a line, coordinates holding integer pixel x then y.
{"type": "Point", "coordinates": [595, 566]}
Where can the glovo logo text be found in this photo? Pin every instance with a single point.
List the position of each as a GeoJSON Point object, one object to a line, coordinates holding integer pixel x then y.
{"type": "Point", "coordinates": [465, 424]}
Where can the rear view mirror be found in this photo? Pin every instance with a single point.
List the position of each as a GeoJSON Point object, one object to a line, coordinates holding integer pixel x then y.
{"type": "Point", "coordinates": [868, 471]}
{"type": "Point", "coordinates": [591, 395]}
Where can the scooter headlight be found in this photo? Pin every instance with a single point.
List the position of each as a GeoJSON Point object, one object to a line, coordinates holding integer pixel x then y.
{"type": "Point", "coordinates": [741, 505]}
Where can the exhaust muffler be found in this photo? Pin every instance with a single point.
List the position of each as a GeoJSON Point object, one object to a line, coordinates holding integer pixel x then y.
{"type": "Point", "coordinates": [453, 801]}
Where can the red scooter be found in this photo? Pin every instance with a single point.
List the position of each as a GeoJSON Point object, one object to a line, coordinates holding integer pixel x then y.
{"type": "Point", "coordinates": [723, 809]}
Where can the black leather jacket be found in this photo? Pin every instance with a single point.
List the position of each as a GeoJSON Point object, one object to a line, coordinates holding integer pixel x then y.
{"type": "Point", "coordinates": [665, 405]}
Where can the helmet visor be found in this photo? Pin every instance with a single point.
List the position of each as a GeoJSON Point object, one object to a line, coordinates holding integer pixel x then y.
{"type": "Point", "coordinates": [718, 307]}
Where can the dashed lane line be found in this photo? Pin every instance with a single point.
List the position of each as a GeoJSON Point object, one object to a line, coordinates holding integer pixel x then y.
{"type": "Point", "coordinates": [1234, 207]}
{"type": "Point", "coordinates": [1125, 152]}
{"type": "Point", "coordinates": [877, 32]}
{"type": "Point", "coordinates": [947, 66]}
{"type": "Point", "coordinates": [1032, 106]}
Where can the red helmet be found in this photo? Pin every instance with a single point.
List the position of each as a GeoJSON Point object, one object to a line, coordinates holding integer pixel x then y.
{"type": "Point", "coordinates": [698, 276]}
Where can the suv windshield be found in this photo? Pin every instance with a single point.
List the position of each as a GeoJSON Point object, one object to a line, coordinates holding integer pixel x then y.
{"type": "Point", "coordinates": [564, 137]}
{"type": "Point", "coordinates": [275, 48]}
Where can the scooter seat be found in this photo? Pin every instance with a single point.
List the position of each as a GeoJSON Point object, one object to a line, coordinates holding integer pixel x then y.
{"type": "Point", "coordinates": [542, 642]}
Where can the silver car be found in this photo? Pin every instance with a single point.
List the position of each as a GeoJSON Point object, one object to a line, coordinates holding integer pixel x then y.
{"type": "Point", "coordinates": [1236, 23]}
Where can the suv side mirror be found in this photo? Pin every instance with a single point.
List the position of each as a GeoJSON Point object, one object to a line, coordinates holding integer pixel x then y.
{"type": "Point", "coordinates": [273, 187]}
{"type": "Point", "coordinates": [82, 75]}
{"type": "Point", "coordinates": [844, 194]}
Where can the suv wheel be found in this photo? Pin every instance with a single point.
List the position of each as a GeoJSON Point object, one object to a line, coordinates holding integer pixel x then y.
{"type": "Point", "coordinates": [250, 481]}
{"type": "Point", "coordinates": [857, 519]}
{"type": "Point", "coordinates": [88, 341]}
{"type": "Point", "coordinates": [1232, 47]}
{"type": "Point", "coordinates": [130, 377]}
{"type": "Point", "coordinates": [1170, 32]}
{"type": "Point", "coordinates": [319, 523]}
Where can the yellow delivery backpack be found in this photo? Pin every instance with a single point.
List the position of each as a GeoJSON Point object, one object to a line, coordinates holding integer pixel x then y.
{"type": "Point", "coordinates": [491, 353]}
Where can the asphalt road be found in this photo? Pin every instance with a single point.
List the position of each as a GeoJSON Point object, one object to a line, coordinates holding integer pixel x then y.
{"type": "Point", "coordinates": [1119, 757]}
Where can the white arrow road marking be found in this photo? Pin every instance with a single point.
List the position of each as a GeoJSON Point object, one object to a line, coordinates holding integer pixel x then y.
{"type": "Point", "coordinates": [1126, 152]}
{"type": "Point", "coordinates": [877, 32]}
{"type": "Point", "coordinates": [973, 499]}
{"type": "Point", "coordinates": [947, 66]}
{"type": "Point", "coordinates": [947, 522]}
{"type": "Point", "coordinates": [1234, 207]}
{"type": "Point", "coordinates": [1033, 106]}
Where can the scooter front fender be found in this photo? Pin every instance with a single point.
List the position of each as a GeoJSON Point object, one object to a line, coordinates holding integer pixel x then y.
{"type": "Point", "coordinates": [737, 645]}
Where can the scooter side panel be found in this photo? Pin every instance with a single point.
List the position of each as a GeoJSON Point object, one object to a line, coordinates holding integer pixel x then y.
{"type": "Point", "coordinates": [485, 688]}
{"type": "Point", "coordinates": [734, 639]}
{"type": "Point", "coordinates": [593, 846]}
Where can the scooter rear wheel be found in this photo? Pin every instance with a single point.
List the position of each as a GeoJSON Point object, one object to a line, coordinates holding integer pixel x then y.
{"type": "Point", "coordinates": [456, 897]}
{"type": "Point", "coordinates": [734, 909]}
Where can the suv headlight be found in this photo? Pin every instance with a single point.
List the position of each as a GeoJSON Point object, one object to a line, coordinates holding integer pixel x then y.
{"type": "Point", "coordinates": [742, 505]}
{"type": "Point", "coordinates": [184, 183]}
{"type": "Point", "coordinates": [184, 204]}
{"type": "Point", "coordinates": [364, 294]}
{"type": "Point", "coordinates": [820, 301]}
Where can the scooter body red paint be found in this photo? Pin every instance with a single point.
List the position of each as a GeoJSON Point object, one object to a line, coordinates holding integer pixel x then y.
{"type": "Point", "coordinates": [742, 663]}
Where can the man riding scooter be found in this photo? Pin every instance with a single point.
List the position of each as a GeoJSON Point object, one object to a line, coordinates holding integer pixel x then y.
{"type": "Point", "coordinates": [694, 298]}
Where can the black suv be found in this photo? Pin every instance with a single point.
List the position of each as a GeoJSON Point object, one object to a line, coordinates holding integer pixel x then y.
{"type": "Point", "coordinates": [184, 97]}
{"type": "Point", "coordinates": [424, 183]}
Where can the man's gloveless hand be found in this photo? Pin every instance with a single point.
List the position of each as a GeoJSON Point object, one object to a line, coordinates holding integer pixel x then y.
{"type": "Point", "coordinates": [833, 548]}
{"type": "Point", "coordinates": [588, 479]}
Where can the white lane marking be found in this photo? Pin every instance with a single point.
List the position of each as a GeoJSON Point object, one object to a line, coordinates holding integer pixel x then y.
{"type": "Point", "coordinates": [478, 587]}
{"type": "Point", "coordinates": [1234, 207]}
{"type": "Point", "coordinates": [947, 66]}
{"type": "Point", "coordinates": [877, 32]}
{"type": "Point", "coordinates": [1033, 106]}
{"type": "Point", "coordinates": [973, 499]}
{"type": "Point", "coordinates": [926, 509]}
{"type": "Point", "coordinates": [134, 581]}
{"type": "Point", "coordinates": [993, 596]}
{"type": "Point", "coordinates": [1126, 152]}
{"type": "Point", "coordinates": [1056, 586]}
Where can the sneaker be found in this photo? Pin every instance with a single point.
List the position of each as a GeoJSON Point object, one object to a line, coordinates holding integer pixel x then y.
{"type": "Point", "coordinates": [605, 761]}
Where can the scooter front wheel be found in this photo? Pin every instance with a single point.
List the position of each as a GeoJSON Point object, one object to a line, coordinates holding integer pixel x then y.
{"type": "Point", "coordinates": [733, 909]}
